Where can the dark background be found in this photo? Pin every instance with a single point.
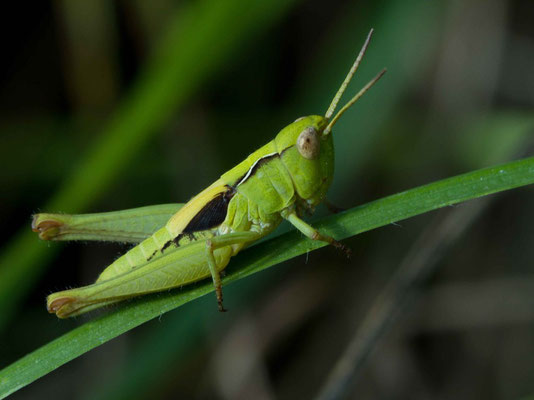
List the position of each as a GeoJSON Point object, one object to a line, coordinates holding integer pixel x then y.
{"type": "Point", "coordinates": [458, 95]}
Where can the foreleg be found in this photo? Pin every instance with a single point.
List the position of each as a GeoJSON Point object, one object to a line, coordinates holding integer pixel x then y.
{"type": "Point", "coordinates": [313, 233]}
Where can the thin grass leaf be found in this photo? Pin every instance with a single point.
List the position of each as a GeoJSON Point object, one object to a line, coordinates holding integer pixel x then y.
{"type": "Point", "coordinates": [357, 220]}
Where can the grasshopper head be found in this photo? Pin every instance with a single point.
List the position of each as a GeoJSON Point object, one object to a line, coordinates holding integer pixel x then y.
{"type": "Point", "coordinates": [306, 146]}
{"type": "Point", "coordinates": [308, 156]}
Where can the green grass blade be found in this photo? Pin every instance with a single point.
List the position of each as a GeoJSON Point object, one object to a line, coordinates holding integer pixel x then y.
{"type": "Point", "coordinates": [357, 220]}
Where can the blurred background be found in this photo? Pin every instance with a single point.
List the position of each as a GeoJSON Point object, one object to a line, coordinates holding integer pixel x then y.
{"type": "Point", "coordinates": [108, 105]}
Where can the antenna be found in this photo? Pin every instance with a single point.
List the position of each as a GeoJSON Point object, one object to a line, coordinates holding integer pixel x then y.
{"type": "Point", "coordinates": [349, 76]}
{"type": "Point", "coordinates": [353, 100]}
{"type": "Point", "coordinates": [344, 85]}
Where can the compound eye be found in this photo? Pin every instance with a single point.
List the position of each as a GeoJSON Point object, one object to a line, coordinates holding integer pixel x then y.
{"type": "Point", "coordinates": [308, 143]}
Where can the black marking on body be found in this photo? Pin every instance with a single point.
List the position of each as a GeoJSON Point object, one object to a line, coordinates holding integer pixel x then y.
{"type": "Point", "coordinates": [153, 254]}
{"type": "Point", "coordinates": [212, 214]}
{"type": "Point", "coordinates": [254, 168]}
{"type": "Point", "coordinates": [176, 240]}
{"type": "Point", "coordinates": [167, 244]}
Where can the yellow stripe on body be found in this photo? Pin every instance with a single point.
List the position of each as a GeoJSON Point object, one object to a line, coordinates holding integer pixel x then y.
{"type": "Point", "coordinates": [181, 219]}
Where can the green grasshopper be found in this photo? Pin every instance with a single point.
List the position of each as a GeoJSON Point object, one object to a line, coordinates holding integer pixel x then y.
{"type": "Point", "coordinates": [285, 179]}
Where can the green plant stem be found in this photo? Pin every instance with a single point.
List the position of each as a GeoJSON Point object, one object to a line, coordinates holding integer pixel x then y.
{"type": "Point", "coordinates": [357, 220]}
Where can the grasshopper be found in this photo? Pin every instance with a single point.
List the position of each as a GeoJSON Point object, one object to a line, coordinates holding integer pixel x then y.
{"type": "Point", "coordinates": [285, 179]}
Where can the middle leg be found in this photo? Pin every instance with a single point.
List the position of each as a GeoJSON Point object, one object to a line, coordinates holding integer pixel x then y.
{"type": "Point", "coordinates": [221, 241]}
